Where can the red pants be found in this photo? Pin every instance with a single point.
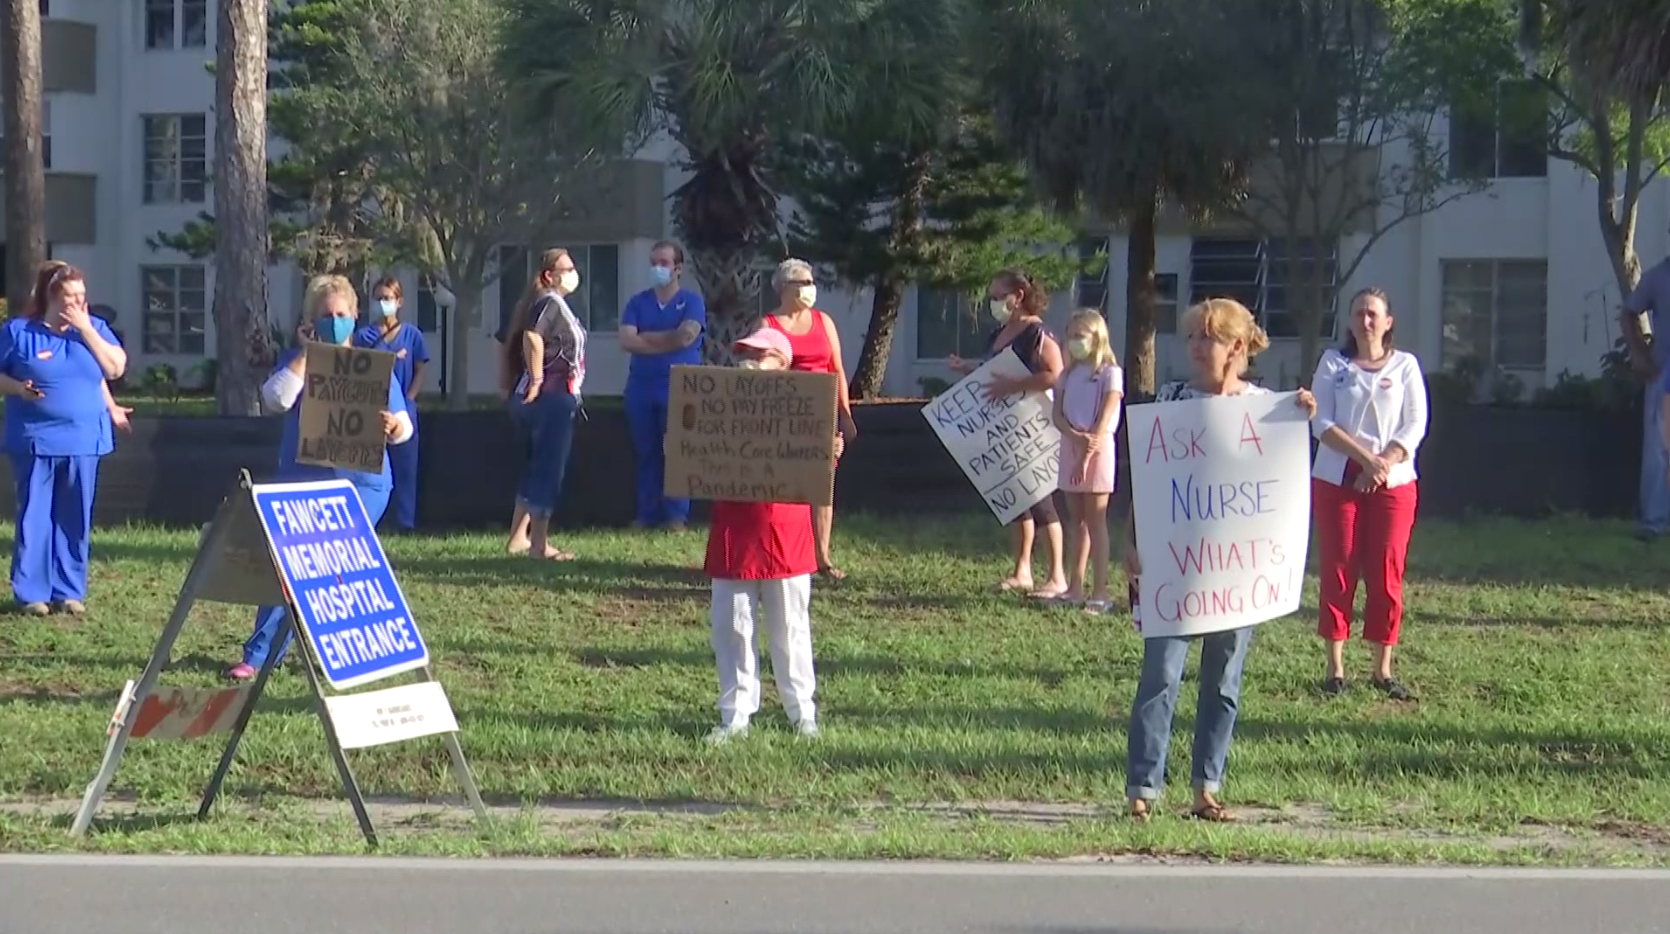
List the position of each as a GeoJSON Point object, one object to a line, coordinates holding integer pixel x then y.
{"type": "Point", "coordinates": [1362, 535]}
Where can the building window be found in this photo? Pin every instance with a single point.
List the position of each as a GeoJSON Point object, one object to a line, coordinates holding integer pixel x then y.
{"type": "Point", "coordinates": [176, 158]}
{"type": "Point", "coordinates": [596, 304]}
{"type": "Point", "coordinates": [176, 24]}
{"type": "Point", "coordinates": [947, 324]}
{"type": "Point", "coordinates": [1165, 303]}
{"type": "Point", "coordinates": [46, 133]}
{"type": "Point", "coordinates": [46, 8]}
{"type": "Point", "coordinates": [428, 310]}
{"type": "Point", "coordinates": [1090, 289]}
{"type": "Point", "coordinates": [1254, 273]}
{"type": "Point", "coordinates": [176, 309]}
{"type": "Point", "coordinates": [1496, 314]}
{"type": "Point", "coordinates": [1503, 138]}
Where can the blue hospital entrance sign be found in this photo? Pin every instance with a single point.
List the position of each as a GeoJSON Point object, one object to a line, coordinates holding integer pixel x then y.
{"type": "Point", "coordinates": [350, 607]}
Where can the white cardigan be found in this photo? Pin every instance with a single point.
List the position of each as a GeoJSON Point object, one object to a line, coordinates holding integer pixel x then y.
{"type": "Point", "coordinates": [1376, 407]}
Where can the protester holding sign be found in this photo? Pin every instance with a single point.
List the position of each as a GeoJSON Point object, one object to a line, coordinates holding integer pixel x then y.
{"type": "Point", "coordinates": [411, 354]}
{"type": "Point", "coordinates": [1221, 336]}
{"type": "Point", "coordinates": [544, 368]}
{"type": "Point", "coordinates": [1087, 414]}
{"type": "Point", "coordinates": [761, 557]}
{"type": "Point", "coordinates": [1372, 415]}
{"type": "Point", "coordinates": [1018, 304]}
{"type": "Point", "coordinates": [329, 313]}
{"type": "Point", "coordinates": [817, 349]}
{"type": "Point", "coordinates": [54, 361]}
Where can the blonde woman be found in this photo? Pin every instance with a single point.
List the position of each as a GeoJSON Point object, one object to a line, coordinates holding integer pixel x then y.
{"type": "Point", "coordinates": [1222, 337]}
{"type": "Point", "coordinates": [1087, 413]}
{"type": "Point", "coordinates": [329, 315]}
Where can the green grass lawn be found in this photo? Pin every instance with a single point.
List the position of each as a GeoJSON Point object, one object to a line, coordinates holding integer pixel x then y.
{"type": "Point", "coordinates": [957, 723]}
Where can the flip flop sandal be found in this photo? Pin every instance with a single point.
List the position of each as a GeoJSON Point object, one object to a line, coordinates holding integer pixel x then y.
{"type": "Point", "coordinates": [1098, 607]}
{"type": "Point", "coordinates": [832, 573]}
{"type": "Point", "coordinates": [1213, 813]}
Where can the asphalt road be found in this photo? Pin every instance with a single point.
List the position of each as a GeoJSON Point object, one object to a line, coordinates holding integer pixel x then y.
{"type": "Point", "coordinates": [92, 895]}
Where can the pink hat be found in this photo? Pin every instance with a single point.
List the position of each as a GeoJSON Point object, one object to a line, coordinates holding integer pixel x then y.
{"type": "Point", "coordinates": [769, 340]}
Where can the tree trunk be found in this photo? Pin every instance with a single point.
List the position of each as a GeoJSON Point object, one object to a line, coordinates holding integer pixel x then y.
{"type": "Point", "coordinates": [20, 86]}
{"type": "Point", "coordinates": [466, 309]}
{"type": "Point", "coordinates": [1139, 300]}
{"type": "Point", "coordinates": [243, 339]}
{"type": "Point", "coordinates": [878, 337]}
{"type": "Point", "coordinates": [730, 287]}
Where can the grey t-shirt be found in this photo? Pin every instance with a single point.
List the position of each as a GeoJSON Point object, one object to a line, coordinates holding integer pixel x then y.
{"type": "Point", "coordinates": [1652, 298]}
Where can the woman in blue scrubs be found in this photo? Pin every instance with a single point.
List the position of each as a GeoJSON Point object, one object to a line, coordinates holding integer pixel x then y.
{"type": "Point", "coordinates": [54, 361]}
{"type": "Point", "coordinates": [330, 313]}
{"type": "Point", "coordinates": [388, 333]}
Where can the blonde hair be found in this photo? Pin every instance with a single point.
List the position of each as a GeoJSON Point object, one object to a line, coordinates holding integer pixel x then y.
{"type": "Point", "coordinates": [1226, 321]}
{"type": "Point", "coordinates": [1101, 348]}
{"type": "Point", "coordinates": [320, 288]}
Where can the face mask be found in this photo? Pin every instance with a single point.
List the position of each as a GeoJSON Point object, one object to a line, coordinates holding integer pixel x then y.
{"type": "Point", "coordinates": [752, 364]}
{"type": "Point", "coordinates": [334, 330]}
{"type": "Point", "coordinates": [661, 275]}
{"type": "Point", "coordinates": [1000, 310]}
{"type": "Point", "coordinates": [388, 307]}
{"type": "Point", "coordinates": [808, 296]}
{"type": "Point", "coordinates": [1079, 348]}
{"type": "Point", "coordinates": [570, 281]}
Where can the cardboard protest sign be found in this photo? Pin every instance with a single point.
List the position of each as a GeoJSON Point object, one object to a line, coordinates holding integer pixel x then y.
{"type": "Point", "coordinates": [759, 436]}
{"type": "Point", "coordinates": [1009, 449]}
{"type": "Point", "coordinates": [343, 398]}
{"type": "Point", "coordinates": [1221, 490]}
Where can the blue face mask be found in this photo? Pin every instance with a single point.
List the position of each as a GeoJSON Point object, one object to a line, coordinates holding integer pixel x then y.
{"type": "Point", "coordinates": [388, 307]}
{"type": "Point", "coordinates": [661, 275]}
{"type": "Point", "coordinates": [334, 330]}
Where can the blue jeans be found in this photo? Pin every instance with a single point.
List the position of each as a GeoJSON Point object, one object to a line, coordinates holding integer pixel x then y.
{"type": "Point", "coordinates": [548, 425]}
{"type": "Point", "coordinates": [54, 526]}
{"type": "Point", "coordinates": [269, 619]}
{"type": "Point", "coordinates": [1655, 463]}
{"type": "Point", "coordinates": [403, 463]}
{"type": "Point", "coordinates": [1222, 655]}
{"type": "Point", "coordinates": [646, 417]}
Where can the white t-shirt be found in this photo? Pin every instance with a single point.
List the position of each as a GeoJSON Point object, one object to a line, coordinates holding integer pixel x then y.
{"type": "Point", "coordinates": [1083, 391]}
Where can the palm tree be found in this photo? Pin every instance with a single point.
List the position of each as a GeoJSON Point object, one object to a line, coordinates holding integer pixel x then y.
{"type": "Point", "coordinates": [1122, 107]}
{"type": "Point", "coordinates": [20, 86]}
{"type": "Point", "coordinates": [727, 80]}
{"type": "Point", "coordinates": [1626, 41]}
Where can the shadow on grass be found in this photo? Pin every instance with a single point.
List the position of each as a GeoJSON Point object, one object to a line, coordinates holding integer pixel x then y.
{"type": "Point", "coordinates": [130, 823]}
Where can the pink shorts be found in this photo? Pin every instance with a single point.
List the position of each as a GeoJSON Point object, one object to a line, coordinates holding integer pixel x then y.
{"type": "Point", "coordinates": [1100, 476]}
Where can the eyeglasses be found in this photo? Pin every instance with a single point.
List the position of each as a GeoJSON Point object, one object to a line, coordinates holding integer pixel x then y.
{"type": "Point", "coordinates": [799, 283]}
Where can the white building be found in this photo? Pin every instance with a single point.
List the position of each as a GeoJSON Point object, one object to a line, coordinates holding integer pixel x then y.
{"type": "Point", "coordinates": [1516, 275]}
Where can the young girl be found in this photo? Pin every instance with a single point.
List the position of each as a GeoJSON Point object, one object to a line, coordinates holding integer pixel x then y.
{"type": "Point", "coordinates": [1222, 336]}
{"type": "Point", "coordinates": [1087, 413]}
{"type": "Point", "coordinates": [761, 557]}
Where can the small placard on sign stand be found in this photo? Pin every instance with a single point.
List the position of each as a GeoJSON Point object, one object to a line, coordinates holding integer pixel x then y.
{"type": "Point", "coordinates": [311, 548]}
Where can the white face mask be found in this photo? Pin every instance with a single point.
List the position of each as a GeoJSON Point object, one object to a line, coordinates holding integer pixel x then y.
{"type": "Point", "coordinates": [1079, 348]}
{"type": "Point", "coordinates": [1000, 310]}
{"type": "Point", "coordinates": [808, 296]}
{"type": "Point", "coordinates": [569, 281]}
{"type": "Point", "coordinates": [751, 365]}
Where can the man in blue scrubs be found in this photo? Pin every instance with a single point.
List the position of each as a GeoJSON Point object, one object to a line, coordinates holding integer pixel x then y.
{"type": "Point", "coordinates": [405, 341]}
{"type": "Point", "coordinates": [661, 328]}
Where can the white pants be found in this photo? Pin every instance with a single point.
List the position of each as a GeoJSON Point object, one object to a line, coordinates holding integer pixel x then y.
{"type": "Point", "coordinates": [786, 606]}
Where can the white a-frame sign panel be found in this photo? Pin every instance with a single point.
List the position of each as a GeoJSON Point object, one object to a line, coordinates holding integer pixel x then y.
{"type": "Point", "coordinates": [311, 549]}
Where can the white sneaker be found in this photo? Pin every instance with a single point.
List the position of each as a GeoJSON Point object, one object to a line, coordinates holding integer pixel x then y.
{"type": "Point", "coordinates": [726, 732]}
{"type": "Point", "coordinates": [806, 728]}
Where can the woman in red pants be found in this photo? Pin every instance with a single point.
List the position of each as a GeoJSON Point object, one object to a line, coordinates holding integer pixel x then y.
{"type": "Point", "coordinates": [1371, 414]}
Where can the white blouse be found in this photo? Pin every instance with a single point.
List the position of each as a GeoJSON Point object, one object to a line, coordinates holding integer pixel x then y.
{"type": "Point", "coordinates": [1377, 408]}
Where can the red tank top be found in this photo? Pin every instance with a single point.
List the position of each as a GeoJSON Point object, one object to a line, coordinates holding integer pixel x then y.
{"type": "Point", "coordinates": [812, 353]}
{"type": "Point", "coordinates": [760, 541]}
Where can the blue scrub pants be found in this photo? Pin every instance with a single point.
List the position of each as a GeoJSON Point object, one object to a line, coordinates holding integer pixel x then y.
{"type": "Point", "coordinates": [547, 424]}
{"type": "Point", "coordinates": [646, 419]}
{"type": "Point", "coordinates": [269, 619]}
{"type": "Point", "coordinates": [54, 526]}
{"type": "Point", "coordinates": [1655, 463]}
{"type": "Point", "coordinates": [403, 463]}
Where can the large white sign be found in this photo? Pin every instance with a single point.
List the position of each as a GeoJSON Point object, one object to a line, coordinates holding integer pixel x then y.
{"type": "Point", "coordinates": [1221, 489]}
{"type": "Point", "coordinates": [1009, 448]}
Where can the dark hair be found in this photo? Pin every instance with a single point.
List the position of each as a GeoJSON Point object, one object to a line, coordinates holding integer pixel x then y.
{"type": "Point", "coordinates": [510, 373]}
{"type": "Point", "coordinates": [1035, 300]}
{"type": "Point", "coordinates": [49, 279]}
{"type": "Point", "coordinates": [393, 285]}
{"type": "Point", "coordinates": [1349, 348]}
{"type": "Point", "coordinates": [678, 251]}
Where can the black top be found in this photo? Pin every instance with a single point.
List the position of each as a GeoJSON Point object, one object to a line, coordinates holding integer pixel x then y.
{"type": "Point", "coordinates": [1027, 345]}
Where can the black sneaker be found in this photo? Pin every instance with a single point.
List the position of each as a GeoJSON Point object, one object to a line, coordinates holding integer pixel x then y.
{"type": "Point", "coordinates": [1393, 689]}
{"type": "Point", "coordinates": [1333, 687]}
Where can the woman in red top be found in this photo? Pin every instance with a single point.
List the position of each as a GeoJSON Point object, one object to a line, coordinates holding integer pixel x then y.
{"type": "Point", "coordinates": [761, 559]}
{"type": "Point", "coordinates": [815, 348]}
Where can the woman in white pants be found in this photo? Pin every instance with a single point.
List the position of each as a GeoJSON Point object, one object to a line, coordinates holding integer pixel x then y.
{"type": "Point", "coordinates": [761, 557]}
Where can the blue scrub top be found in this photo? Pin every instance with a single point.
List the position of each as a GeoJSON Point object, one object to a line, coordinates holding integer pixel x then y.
{"type": "Point", "coordinates": [71, 420]}
{"type": "Point", "coordinates": [291, 472]}
{"type": "Point", "coordinates": [652, 373]}
{"type": "Point", "coordinates": [407, 346]}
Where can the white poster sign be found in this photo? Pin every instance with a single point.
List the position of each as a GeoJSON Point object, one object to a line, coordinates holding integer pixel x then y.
{"type": "Point", "coordinates": [1221, 490]}
{"type": "Point", "coordinates": [1009, 448]}
{"type": "Point", "coordinates": [391, 715]}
